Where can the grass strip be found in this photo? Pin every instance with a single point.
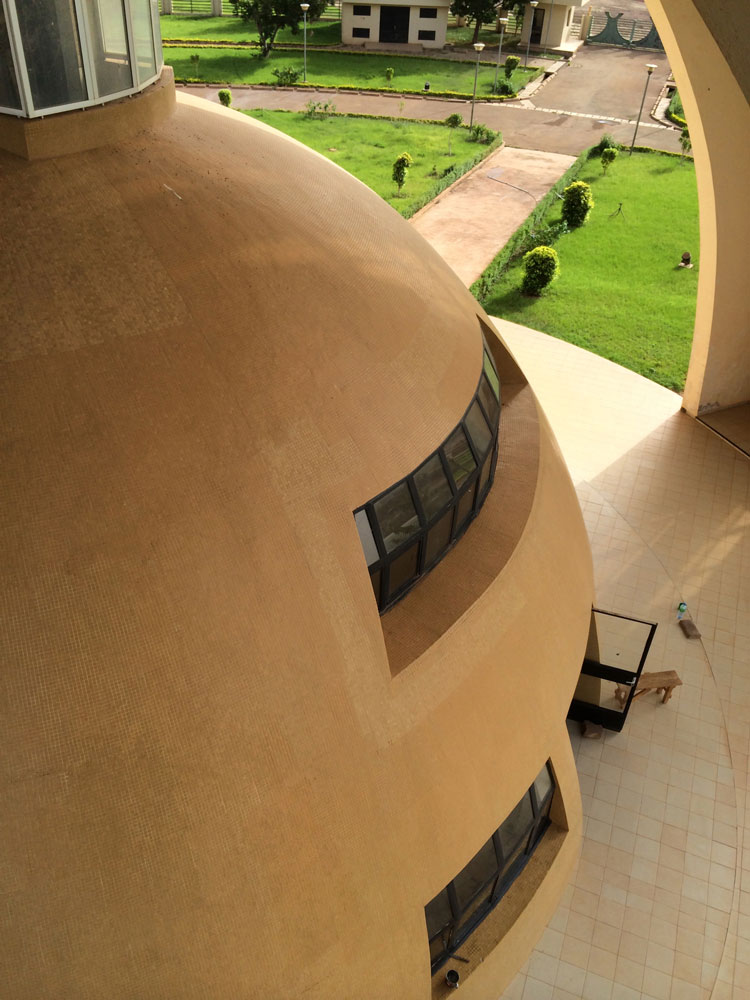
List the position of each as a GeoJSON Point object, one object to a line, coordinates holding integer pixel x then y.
{"type": "Point", "coordinates": [621, 292]}
{"type": "Point", "coordinates": [344, 70]}
{"type": "Point", "coordinates": [367, 146]}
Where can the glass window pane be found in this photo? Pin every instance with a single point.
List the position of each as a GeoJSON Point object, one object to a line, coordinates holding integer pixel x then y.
{"type": "Point", "coordinates": [438, 538]}
{"type": "Point", "coordinates": [432, 486]}
{"type": "Point", "coordinates": [489, 401]}
{"type": "Point", "coordinates": [437, 948]}
{"type": "Point", "coordinates": [143, 37]}
{"type": "Point", "coordinates": [465, 505]}
{"type": "Point", "coordinates": [517, 825]}
{"type": "Point", "coordinates": [9, 97]}
{"type": "Point", "coordinates": [489, 371]}
{"type": "Point", "coordinates": [543, 784]}
{"type": "Point", "coordinates": [402, 570]}
{"type": "Point", "coordinates": [479, 432]}
{"type": "Point", "coordinates": [396, 516]}
{"type": "Point", "coordinates": [109, 46]}
{"type": "Point", "coordinates": [375, 581]}
{"type": "Point", "coordinates": [53, 52]}
{"type": "Point", "coordinates": [438, 913]}
{"type": "Point", "coordinates": [366, 537]}
{"type": "Point", "coordinates": [479, 871]}
{"type": "Point", "coordinates": [485, 475]}
{"type": "Point", "coordinates": [460, 459]}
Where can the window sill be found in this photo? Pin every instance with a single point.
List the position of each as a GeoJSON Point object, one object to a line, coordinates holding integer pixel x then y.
{"type": "Point", "coordinates": [490, 933]}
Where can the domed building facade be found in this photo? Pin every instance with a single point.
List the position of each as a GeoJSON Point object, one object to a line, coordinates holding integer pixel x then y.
{"type": "Point", "coordinates": [295, 582]}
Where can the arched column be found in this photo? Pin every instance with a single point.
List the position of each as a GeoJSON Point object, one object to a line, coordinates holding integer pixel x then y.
{"type": "Point", "coordinates": [706, 41]}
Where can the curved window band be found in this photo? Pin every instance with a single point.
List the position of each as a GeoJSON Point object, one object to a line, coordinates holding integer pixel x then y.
{"type": "Point", "coordinates": [407, 529]}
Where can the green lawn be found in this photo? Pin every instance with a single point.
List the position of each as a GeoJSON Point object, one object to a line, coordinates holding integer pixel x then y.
{"type": "Point", "coordinates": [336, 69]}
{"type": "Point", "coordinates": [233, 29]}
{"type": "Point", "coordinates": [367, 147]}
{"type": "Point", "coordinates": [620, 292]}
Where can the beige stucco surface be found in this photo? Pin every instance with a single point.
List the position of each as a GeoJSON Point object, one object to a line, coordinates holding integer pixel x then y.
{"type": "Point", "coordinates": [215, 785]}
{"type": "Point", "coordinates": [707, 47]}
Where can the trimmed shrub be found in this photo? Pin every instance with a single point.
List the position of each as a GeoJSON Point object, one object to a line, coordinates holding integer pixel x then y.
{"type": "Point", "coordinates": [608, 157]}
{"type": "Point", "coordinates": [481, 133]}
{"type": "Point", "coordinates": [454, 120]}
{"type": "Point", "coordinates": [225, 96]}
{"type": "Point", "coordinates": [607, 141]}
{"type": "Point", "coordinates": [511, 63]}
{"type": "Point", "coordinates": [286, 75]}
{"type": "Point", "coordinates": [577, 203]}
{"type": "Point", "coordinates": [541, 266]}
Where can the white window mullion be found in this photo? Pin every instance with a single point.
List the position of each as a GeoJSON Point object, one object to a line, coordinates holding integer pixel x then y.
{"type": "Point", "coordinates": [19, 58]}
{"type": "Point", "coordinates": [89, 72]}
{"type": "Point", "coordinates": [156, 35]}
{"type": "Point", "coordinates": [132, 55]}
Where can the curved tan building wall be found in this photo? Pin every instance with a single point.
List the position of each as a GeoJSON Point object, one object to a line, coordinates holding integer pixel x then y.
{"type": "Point", "coordinates": [215, 783]}
{"type": "Point", "coordinates": [707, 44]}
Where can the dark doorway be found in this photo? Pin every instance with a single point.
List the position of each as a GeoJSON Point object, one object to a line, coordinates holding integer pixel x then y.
{"type": "Point", "coordinates": [394, 24]}
{"type": "Point", "coordinates": [536, 26]}
{"type": "Point", "coordinates": [615, 655]}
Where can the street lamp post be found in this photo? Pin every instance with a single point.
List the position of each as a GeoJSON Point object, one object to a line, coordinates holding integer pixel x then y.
{"type": "Point", "coordinates": [305, 7]}
{"type": "Point", "coordinates": [534, 4]}
{"type": "Point", "coordinates": [650, 67]}
{"type": "Point", "coordinates": [503, 25]}
{"type": "Point", "coordinates": [478, 46]}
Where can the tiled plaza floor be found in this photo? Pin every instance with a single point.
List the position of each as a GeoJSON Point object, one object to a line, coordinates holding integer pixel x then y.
{"type": "Point", "coordinates": [659, 907]}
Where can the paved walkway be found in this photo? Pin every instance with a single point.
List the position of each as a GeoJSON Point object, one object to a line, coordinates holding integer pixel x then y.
{"type": "Point", "coordinates": [476, 216]}
{"type": "Point", "coordinates": [523, 125]}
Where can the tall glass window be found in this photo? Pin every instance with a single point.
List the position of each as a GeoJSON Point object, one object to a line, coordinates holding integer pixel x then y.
{"type": "Point", "coordinates": [9, 96]}
{"type": "Point", "coordinates": [57, 55]}
{"type": "Point", "coordinates": [52, 49]}
{"type": "Point", "coordinates": [462, 905]}
{"type": "Point", "coordinates": [408, 528]}
{"type": "Point", "coordinates": [143, 33]}
{"type": "Point", "coordinates": [109, 46]}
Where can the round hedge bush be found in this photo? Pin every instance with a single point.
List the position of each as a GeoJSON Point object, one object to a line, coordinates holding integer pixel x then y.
{"type": "Point", "coordinates": [577, 203]}
{"type": "Point", "coordinates": [541, 267]}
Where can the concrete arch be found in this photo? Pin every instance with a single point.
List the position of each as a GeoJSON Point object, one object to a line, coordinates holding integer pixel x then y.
{"type": "Point", "coordinates": [707, 43]}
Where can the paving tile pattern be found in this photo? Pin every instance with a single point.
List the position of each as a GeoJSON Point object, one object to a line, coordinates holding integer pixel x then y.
{"type": "Point", "coordinates": [659, 906]}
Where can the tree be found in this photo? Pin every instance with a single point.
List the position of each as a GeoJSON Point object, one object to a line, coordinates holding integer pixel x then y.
{"type": "Point", "coordinates": [541, 267]}
{"type": "Point", "coordinates": [608, 157]}
{"type": "Point", "coordinates": [453, 121]}
{"type": "Point", "coordinates": [400, 169]}
{"type": "Point", "coordinates": [577, 203]}
{"type": "Point", "coordinates": [479, 11]}
{"type": "Point", "coordinates": [269, 16]}
{"type": "Point", "coordinates": [511, 65]}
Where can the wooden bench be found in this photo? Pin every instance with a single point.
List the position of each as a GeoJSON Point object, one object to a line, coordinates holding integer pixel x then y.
{"type": "Point", "coordinates": [665, 680]}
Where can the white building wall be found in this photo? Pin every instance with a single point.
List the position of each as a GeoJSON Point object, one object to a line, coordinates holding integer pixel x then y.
{"type": "Point", "coordinates": [352, 22]}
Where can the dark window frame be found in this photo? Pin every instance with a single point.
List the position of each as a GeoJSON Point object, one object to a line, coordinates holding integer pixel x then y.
{"type": "Point", "coordinates": [380, 569]}
{"type": "Point", "coordinates": [362, 10]}
{"type": "Point", "coordinates": [360, 32]}
{"type": "Point", "coordinates": [509, 865]}
{"type": "Point", "coordinates": [428, 12]}
{"type": "Point", "coordinates": [425, 36]}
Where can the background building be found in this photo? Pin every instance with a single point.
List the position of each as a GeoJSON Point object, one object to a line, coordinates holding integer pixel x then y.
{"type": "Point", "coordinates": [390, 22]}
